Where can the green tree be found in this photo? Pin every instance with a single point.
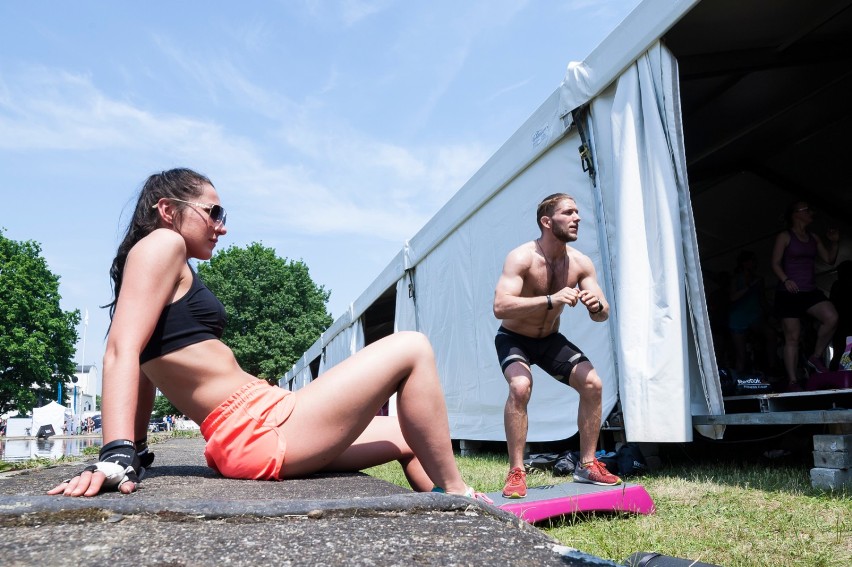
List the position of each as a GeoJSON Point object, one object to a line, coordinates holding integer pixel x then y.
{"type": "Point", "coordinates": [275, 310]}
{"type": "Point", "coordinates": [163, 407]}
{"type": "Point", "coordinates": [37, 338]}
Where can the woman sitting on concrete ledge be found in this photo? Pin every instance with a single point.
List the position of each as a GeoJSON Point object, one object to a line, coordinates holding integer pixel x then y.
{"type": "Point", "coordinates": [164, 333]}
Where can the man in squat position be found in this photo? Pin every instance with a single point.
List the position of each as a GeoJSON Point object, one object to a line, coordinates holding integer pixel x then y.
{"type": "Point", "coordinates": [539, 279]}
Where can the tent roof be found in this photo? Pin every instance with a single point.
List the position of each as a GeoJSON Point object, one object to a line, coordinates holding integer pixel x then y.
{"type": "Point", "coordinates": [52, 405]}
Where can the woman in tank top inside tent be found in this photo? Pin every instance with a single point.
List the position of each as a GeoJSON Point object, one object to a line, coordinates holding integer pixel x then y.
{"type": "Point", "coordinates": [164, 334]}
{"type": "Point", "coordinates": [797, 295]}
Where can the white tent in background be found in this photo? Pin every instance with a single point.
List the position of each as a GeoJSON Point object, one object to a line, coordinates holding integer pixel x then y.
{"type": "Point", "coordinates": [634, 180]}
{"type": "Point", "coordinates": [18, 426]}
{"type": "Point", "coordinates": [52, 414]}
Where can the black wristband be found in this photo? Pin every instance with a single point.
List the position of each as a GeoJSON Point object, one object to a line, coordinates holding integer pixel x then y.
{"type": "Point", "coordinates": [146, 456]}
{"type": "Point", "coordinates": [116, 444]}
{"type": "Point", "coordinates": [549, 303]}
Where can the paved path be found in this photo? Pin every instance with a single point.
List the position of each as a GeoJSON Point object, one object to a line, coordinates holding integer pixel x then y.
{"type": "Point", "coordinates": [186, 515]}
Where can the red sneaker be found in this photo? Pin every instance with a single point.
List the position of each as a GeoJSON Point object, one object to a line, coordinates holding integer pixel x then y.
{"type": "Point", "coordinates": [516, 484]}
{"type": "Point", "coordinates": [595, 473]}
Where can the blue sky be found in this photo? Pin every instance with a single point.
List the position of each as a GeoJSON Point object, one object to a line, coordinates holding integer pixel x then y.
{"type": "Point", "coordinates": [333, 130]}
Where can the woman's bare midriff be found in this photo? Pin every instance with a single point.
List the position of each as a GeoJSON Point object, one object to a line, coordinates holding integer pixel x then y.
{"type": "Point", "coordinates": [197, 378]}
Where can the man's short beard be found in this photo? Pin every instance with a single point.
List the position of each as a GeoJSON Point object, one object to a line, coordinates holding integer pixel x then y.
{"type": "Point", "coordinates": [562, 236]}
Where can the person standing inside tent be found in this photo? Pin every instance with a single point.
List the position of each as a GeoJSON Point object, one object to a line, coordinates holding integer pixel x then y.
{"type": "Point", "coordinates": [747, 316]}
{"type": "Point", "coordinates": [797, 294]}
{"type": "Point", "coordinates": [165, 334]}
{"type": "Point", "coordinates": [539, 279]}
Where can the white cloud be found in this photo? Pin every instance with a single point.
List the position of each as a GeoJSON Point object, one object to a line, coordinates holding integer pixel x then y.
{"type": "Point", "coordinates": [353, 11]}
{"type": "Point", "coordinates": [219, 76]}
{"type": "Point", "coordinates": [331, 82]}
{"type": "Point", "coordinates": [507, 89]}
{"type": "Point", "coordinates": [50, 110]}
{"type": "Point", "coordinates": [598, 10]}
{"type": "Point", "coordinates": [324, 179]}
{"type": "Point", "coordinates": [440, 48]}
{"type": "Point", "coordinates": [349, 12]}
{"type": "Point", "coordinates": [254, 36]}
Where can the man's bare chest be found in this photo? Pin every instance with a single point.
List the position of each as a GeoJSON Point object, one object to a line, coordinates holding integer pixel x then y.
{"type": "Point", "coordinates": [547, 278]}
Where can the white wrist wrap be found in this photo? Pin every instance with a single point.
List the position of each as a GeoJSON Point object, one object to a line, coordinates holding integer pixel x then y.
{"type": "Point", "coordinates": [116, 475]}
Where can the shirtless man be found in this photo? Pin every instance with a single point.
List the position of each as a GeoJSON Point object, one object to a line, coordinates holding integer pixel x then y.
{"type": "Point", "coordinates": [539, 279]}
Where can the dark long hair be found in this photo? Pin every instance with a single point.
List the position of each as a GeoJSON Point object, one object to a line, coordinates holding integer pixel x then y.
{"type": "Point", "coordinates": [178, 183]}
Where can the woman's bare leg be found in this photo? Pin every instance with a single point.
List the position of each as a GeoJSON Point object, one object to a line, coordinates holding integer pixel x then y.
{"type": "Point", "coordinates": [791, 328]}
{"type": "Point", "coordinates": [336, 408]}
{"type": "Point", "coordinates": [145, 404]}
{"type": "Point", "coordinates": [826, 314]}
{"type": "Point", "coordinates": [381, 443]}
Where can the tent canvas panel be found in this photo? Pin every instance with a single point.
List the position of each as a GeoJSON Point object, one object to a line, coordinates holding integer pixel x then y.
{"type": "Point", "coordinates": [455, 284]}
{"type": "Point", "coordinates": [343, 345]}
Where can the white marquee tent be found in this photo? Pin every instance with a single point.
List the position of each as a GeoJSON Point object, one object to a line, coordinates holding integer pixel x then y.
{"type": "Point", "coordinates": [660, 122]}
{"type": "Point", "coordinates": [52, 414]}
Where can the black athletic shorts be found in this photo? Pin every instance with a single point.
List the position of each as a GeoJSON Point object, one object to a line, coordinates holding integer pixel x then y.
{"type": "Point", "coordinates": [554, 354]}
{"type": "Point", "coordinates": [794, 305]}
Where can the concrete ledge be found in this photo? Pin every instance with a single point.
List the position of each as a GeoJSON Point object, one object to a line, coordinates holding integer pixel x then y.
{"type": "Point", "coordinates": [211, 508]}
{"type": "Point", "coordinates": [186, 514]}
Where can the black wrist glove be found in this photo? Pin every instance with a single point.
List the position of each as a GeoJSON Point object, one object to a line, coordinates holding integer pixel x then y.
{"type": "Point", "coordinates": [146, 457]}
{"type": "Point", "coordinates": [119, 462]}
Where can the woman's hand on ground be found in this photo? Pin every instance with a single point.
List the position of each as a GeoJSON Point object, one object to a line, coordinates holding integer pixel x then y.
{"type": "Point", "coordinates": [87, 483]}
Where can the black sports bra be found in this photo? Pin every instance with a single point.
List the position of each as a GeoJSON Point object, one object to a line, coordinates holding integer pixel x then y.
{"type": "Point", "coordinates": [195, 317]}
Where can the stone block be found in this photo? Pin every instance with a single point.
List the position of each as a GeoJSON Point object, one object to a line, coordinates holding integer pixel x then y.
{"type": "Point", "coordinates": [832, 460]}
{"type": "Point", "coordinates": [831, 479]}
{"type": "Point", "coordinates": [833, 443]}
{"type": "Point", "coordinates": [468, 448]}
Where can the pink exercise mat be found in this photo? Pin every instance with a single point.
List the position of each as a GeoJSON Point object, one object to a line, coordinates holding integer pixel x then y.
{"type": "Point", "coordinates": [549, 501]}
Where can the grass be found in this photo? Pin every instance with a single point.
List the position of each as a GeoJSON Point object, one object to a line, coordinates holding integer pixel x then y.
{"type": "Point", "coordinates": [37, 463]}
{"type": "Point", "coordinates": [724, 514]}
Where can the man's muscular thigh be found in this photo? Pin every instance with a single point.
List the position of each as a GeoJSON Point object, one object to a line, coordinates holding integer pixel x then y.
{"type": "Point", "coordinates": [584, 377]}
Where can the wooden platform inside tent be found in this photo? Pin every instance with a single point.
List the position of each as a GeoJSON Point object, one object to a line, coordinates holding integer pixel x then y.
{"type": "Point", "coordinates": [789, 408]}
{"type": "Point", "coordinates": [830, 407]}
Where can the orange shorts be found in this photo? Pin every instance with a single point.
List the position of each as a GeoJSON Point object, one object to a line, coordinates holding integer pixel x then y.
{"type": "Point", "coordinates": [243, 435]}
